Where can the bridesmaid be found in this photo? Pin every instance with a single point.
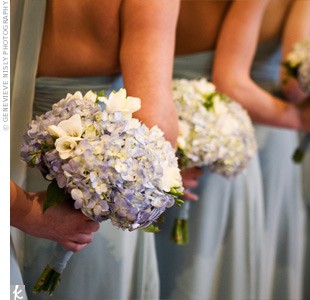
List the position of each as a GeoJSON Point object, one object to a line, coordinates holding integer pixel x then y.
{"type": "Point", "coordinates": [224, 256]}
{"type": "Point", "coordinates": [297, 30]}
{"type": "Point", "coordinates": [277, 138]}
{"type": "Point", "coordinates": [87, 45]}
{"type": "Point", "coordinates": [227, 257]}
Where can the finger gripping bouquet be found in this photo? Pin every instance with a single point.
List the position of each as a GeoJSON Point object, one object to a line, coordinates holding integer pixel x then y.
{"type": "Point", "coordinates": [215, 132]}
{"type": "Point", "coordinates": [110, 164]}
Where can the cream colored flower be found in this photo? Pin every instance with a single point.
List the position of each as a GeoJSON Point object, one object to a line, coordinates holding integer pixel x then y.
{"type": "Point", "coordinates": [171, 177]}
{"type": "Point", "coordinates": [71, 127]}
{"type": "Point", "coordinates": [65, 146]}
{"type": "Point", "coordinates": [118, 102]}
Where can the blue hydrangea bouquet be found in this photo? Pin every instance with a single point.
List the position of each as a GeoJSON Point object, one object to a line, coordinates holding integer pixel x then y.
{"type": "Point", "coordinates": [297, 65]}
{"type": "Point", "coordinates": [215, 132]}
{"type": "Point", "coordinates": [108, 163]}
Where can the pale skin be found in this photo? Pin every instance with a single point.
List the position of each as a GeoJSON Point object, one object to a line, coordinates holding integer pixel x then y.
{"type": "Point", "coordinates": [239, 27]}
{"type": "Point", "coordinates": [60, 223]}
{"type": "Point", "coordinates": [262, 106]}
{"type": "Point", "coordinates": [91, 38]}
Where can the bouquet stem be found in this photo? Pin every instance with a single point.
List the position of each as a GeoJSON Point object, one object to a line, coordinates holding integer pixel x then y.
{"type": "Point", "coordinates": [47, 281]}
{"type": "Point", "coordinates": [50, 277]}
{"type": "Point", "coordinates": [180, 228]}
{"type": "Point", "coordinates": [300, 151]}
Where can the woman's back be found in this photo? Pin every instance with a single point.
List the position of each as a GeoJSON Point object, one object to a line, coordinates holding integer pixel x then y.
{"type": "Point", "coordinates": [200, 22]}
{"type": "Point", "coordinates": [81, 37]}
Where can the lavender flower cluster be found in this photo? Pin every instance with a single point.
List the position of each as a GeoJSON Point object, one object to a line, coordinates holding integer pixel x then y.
{"type": "Point", "coordinates": [297, 64]}
{"type": "Point", "coordinates": [113, 166]}
{"type": "Point", "coordinates": [214, 130]}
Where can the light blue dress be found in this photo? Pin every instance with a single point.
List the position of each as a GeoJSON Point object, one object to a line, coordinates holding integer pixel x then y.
{"type": "Point", "coordinates": [306, 194]}
{"type": "Point", "coordinates": [284, 209]}
{"type": "Point", "coordinates": [118, 264]}
{"type": "Point", "coordinates": [224, 256]}
{"type": "Point", "coordinates": [27, 19]}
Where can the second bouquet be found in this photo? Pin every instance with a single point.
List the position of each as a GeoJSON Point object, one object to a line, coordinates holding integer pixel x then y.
{"type": "Point", "coordinates": [215, 132]}
{"type": "Point", "coordinates": [108, 163]}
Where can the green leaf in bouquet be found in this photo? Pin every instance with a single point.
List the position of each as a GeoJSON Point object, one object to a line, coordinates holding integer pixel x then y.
{"type": "Point", "coordinates": [33, 155]}
{"type": "Point", "coordinates": [182, 158]}
{"type": "Point", "coordinates": [291, 71]}
{"type": "Point", "coordinates": [209, 99]}
{"type": "Point", "coordinates": [225, 98]}
{"type": "Point", "coordinates": [208, 103]}
{"type": "Point", "coordinates": [54, 196]}
{"type": "Point", "coordinates": [48, 145]}
{"type": "Point", "coordinates": [100, 94]}
{"type": "Point", "coordinates": [175, 192]}
{"type": "Point", "coordinates": [151, 228]}
{"type": "Point", "coordinates": [179, 201]}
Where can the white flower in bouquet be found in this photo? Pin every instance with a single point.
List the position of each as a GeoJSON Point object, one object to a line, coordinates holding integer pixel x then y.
{"type": "Point", "coordinates": [108, 163]}
{"type": "Point", "coordinates": [215, 132]}
{"type": "Point", "coordinates": [297, 64]}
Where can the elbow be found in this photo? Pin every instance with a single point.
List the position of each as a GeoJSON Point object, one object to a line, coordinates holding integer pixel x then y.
{"type": "Point", "coordinates": [232, 85]}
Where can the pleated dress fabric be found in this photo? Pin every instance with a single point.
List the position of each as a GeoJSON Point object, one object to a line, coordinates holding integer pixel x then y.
{"type": "Point", "coordinates": [285, 212]}
{"type": "Point", "coordinates": [224, 255]}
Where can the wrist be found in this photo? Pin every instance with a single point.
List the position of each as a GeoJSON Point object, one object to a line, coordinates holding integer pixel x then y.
{"type": "Point", "coordinates": [293, 116]}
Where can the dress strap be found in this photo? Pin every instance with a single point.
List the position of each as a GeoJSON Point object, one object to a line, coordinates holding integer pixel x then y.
{"type": "Point", "coordinates": [28, 23]}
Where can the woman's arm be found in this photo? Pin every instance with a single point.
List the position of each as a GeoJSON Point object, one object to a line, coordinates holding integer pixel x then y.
{"type": "Point", "coordinates": [60, 223]}
{"type": "Point", "coordinates": [147, 53]}
{"type": "Point", "coordinates": [146, 58]}
{"type": "Point", "coordinates": [234, 56]}
{"type": "Point", "coordinates": [297, 28]}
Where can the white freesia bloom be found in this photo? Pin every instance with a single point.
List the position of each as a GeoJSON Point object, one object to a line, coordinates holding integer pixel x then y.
{"type": "Point", "coordinates": [118, 102]}
{"type": "Point", "coordinates": [171, 177]}
{"type": "Point", "coordinates": [56, 131]}
{"type": "Point", "coordinates": [76, 95]}
{"type": "Point", "coordinates": [90, 96]}
{"type": "Point", "coordinates": [71, 127]}
{"type": "Point", "coordinates": [65, 146]}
